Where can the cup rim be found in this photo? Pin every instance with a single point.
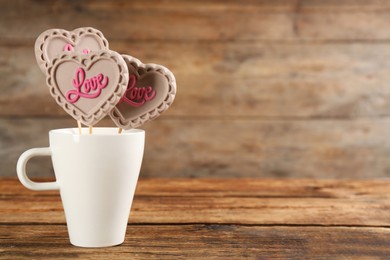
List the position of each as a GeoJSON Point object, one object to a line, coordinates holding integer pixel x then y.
{"type": "Point", "coordinates": [97, 131]}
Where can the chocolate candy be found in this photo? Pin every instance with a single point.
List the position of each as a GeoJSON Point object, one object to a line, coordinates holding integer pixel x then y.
{"type": "Point", "coordinates": [151, 90]}
{"type": "Point", "coordinates": [88, 86]}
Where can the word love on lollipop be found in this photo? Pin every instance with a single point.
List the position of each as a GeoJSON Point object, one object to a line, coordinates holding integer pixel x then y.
{"type": "Point", "coordinates": [94, 85]}
{"type": "Point", "coordinates": [151, 90]}
{"type": "Point", "coordinates": [90, 81]}
{"type": "Point", "coordinates": [136, 97]}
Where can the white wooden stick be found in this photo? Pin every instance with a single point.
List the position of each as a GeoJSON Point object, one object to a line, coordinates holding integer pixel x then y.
{"type": "Point", "coordinates": [79, 126]}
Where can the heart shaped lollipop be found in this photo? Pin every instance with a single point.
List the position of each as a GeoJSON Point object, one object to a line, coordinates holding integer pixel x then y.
{"type": "Point", "coordinates": [151, 90]}
{"type": "Point", "coordinates": [55, 42]}
{"type": "Point", "coordinates": [88, 86]}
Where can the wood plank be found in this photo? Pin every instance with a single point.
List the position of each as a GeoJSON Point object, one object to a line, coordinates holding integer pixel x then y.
{"type": "Point", "coordinates": [155, 20]}
{"type": "Point", "coordinates": [335, 25]}
{"type": "Point", "coordinates": [224, 210]}
{"type": "Point", "coordinates": [245, 187]}
{"type": "Point", "coordinates": [348, 6]}
{"type": "Point", "coordinates": [202, 242]}
{"type": "Point", "coordinates": [201, 20]}
{"type": "Point", "coordinates": [299, 202]}
{"type": "Point", "coordinates": [231, 147]}
{"type": "Point", "coordinates": [350, 20]}
{"type": "Point", "coordinates": [230, 79]}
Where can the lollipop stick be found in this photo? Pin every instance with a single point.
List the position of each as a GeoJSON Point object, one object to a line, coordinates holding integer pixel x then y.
{"type": "Point", "coordinates": [120, 130]}
{"type": "Point", "coordinates": [79, 126]}
{"type": "Point", "coordinates": [90, 129]}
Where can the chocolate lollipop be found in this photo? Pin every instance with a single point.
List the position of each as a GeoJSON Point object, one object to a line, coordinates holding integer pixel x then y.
{"type": "Point", "coordinates": [54, 42]}
{"type": "Point", "coordinates": [150, 91]}
{"type": "Point", "coordinates": [89, 81]}
{"type": "Point", "coordinates": [88, 86]}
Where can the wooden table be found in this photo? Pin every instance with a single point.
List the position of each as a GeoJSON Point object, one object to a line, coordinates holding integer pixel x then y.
{"type": "Point", "coordinates": [214, 218]}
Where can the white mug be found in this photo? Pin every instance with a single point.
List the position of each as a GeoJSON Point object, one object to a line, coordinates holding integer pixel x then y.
{"type": "Point", "coordinates": [96, 174]}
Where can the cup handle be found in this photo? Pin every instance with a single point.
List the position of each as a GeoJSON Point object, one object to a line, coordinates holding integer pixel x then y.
{"type": "Point", "coordinates": [21, 170]}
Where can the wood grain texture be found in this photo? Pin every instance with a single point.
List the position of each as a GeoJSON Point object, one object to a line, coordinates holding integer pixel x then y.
{"type": "Point", "coordinates": [193, 218]}
{"type": "Point", "coordinates": [201, 20]}
{"type": "Point", "coordinates": [164, 20]}
{"type": "Point", "coordinates": [230, 147]}
{"type": "Point", "coordinates": [247, 201]}
{"type": "Point", "coordinates": [230, 79]}
{"type": "Point", "coordinates": [202, 242]}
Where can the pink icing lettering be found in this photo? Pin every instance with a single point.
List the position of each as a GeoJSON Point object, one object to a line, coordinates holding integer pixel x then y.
{"type": "Point", "coordinates": [137, 96]}
{"type": "Point", "coordinates": [68, 47]}
{"type": "Point", "coordinates": [86, 88]}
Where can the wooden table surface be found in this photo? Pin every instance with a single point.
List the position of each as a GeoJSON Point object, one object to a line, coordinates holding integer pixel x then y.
{"type": "Point", "coordinates": [214, 218]}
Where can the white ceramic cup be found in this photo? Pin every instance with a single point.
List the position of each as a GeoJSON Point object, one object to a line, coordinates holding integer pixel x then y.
{"type": "Point", "coordinates": [96, 174]}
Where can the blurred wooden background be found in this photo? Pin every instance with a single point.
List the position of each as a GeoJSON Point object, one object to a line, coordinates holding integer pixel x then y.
{"type": "Point", "coordinates": [265, 88]}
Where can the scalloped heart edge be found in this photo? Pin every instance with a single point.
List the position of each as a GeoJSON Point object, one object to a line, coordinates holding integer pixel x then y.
{"type": "Point", "coordinates": [124, 123]}
{"type": "Point", "coordinates": [78, 32]}
{"type": "Point", "coordinates": [109, 104]}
